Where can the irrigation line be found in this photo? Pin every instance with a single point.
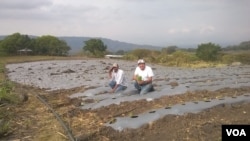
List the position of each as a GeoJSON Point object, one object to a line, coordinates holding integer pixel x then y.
{"type": "Point", "coordinates": [70, 135]}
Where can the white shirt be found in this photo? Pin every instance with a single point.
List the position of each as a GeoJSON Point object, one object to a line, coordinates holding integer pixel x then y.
{"type": "Point", "coordinates": [119, 77]}
{"type": "Point", "coordinates": [145, 74]}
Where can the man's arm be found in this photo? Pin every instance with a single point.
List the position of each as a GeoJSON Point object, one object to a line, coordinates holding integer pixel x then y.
{"type": "Point", "coordinates": [134, 77]}
{"type": "Point", "coordinates": [113, 90]}
{"type": "Point", "coordinates": [150, 79]}
{"type": "Point", "coordinates": [110, 73]}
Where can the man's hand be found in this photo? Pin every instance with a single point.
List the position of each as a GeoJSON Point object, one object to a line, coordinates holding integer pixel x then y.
{"type": "Point", "coordinates": [112, 91]}
{"type": "Point", "coordinates": [141, 82]}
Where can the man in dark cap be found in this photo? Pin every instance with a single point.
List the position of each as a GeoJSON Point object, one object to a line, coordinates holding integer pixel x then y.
{"type": "Point", "coordinates": [117, 79]}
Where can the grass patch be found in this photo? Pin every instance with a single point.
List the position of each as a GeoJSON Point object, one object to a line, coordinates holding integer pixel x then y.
{"type": "Point", "coordinates": [6, 95]}
{"type": "Point", "coordinates": [4, 127]}
{"type": "Point", "coordinates": [2, 70]}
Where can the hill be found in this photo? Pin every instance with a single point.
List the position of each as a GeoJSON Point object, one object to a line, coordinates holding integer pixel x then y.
{"type": "Point", "coordinates": [77, 43]}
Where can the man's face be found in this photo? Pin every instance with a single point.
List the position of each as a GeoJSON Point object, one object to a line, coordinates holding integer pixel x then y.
{"type": "Point", "coordinates": [115, 69]}
{"type": "Point", "coordinates": [141, 66]}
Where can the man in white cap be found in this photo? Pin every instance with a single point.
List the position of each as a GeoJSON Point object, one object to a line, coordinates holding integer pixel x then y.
{"type": "Point", "coordinates": [143, 77]}
{"type": "Point", "coordinates": [117, 79]}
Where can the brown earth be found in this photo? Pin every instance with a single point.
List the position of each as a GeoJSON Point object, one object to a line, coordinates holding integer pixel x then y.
{"type": "Point", "coordinates": [32, 120]}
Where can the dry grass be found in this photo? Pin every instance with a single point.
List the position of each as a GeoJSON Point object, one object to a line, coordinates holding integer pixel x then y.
{"type": "Point", "coordinates": [202, 64]}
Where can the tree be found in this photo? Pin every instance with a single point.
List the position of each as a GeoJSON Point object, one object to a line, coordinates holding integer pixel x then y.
{"type": "Point", "coordinates": [141, 53]}
{"type": "Point", "coordinates": [50, 45]}
{"type": "Point", "coordinates": [120, 52]}
{"type": "Point", "coordinates": [208, 51]}
{"type": "Point", "coordinates": [171, 49]}
{"type": "Point", "coordinates": [12, 43]}
{"type": "Point", "coordinates": [95, 47]}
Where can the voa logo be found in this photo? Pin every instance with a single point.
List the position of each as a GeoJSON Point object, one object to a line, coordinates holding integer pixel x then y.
{"type": "Point", "coordinates": [236, 132]}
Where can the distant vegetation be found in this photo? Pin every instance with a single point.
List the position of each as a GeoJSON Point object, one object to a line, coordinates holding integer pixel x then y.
{"type": "Point", "coordinates": [22, 44]}
{"type": "Point", "coordinates": [241, 46]}
{"type": "Point", "coordinates": [205, 53]}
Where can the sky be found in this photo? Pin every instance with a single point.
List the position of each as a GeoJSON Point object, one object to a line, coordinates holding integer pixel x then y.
{"type": "Point", "coordinates": [184, 23]}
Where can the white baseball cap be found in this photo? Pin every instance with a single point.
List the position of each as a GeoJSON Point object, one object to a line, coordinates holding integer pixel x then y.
{"type": "Point", "coordinates": [141, 61]}
{"type": "Point", "coordinates": [115, 65]}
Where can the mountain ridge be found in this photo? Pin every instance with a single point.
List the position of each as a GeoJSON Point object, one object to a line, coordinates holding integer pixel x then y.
{"type": "Point", "coordinates": [77, 43]}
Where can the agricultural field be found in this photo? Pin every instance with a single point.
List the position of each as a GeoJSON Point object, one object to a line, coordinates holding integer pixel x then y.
{"type": "Point", "coordinates": [69, 99]}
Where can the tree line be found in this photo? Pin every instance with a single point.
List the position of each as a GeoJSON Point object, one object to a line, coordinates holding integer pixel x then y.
{"type": "Point", "coordinates": [47, 45]}
{"type": "Point", "coordinates": [44, 45]}
{"type": "Point", "coordinates": [242, 46]}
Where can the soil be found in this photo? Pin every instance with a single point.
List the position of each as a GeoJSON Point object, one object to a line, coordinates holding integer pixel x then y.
{"type": "Point", "coordinates": [32, 120]}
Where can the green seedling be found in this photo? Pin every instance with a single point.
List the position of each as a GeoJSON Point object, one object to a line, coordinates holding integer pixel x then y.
{"type": "Point", "coordinates": [139, 78]}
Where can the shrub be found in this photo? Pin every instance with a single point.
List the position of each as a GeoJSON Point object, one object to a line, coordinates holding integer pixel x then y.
{"type": "Point", "coordinates": [208, 52]}
{"type": "Point", "coordinates": [180, 58]}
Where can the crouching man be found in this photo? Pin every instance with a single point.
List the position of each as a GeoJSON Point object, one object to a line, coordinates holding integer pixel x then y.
{"type": "Point", "coordinates": [143, 77]}
{"type": "Point", "coordinates": [117, 79]}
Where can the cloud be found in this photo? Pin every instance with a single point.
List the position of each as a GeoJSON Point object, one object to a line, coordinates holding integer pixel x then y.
{"type": "Point", "coordinates": [156, 22]}
{"type": "Point", "coordinates": [207, 29]}
{"type": "Point", "coordinates": [23, 4]}
{"type": "Point", "coordinates": [179, 30]}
